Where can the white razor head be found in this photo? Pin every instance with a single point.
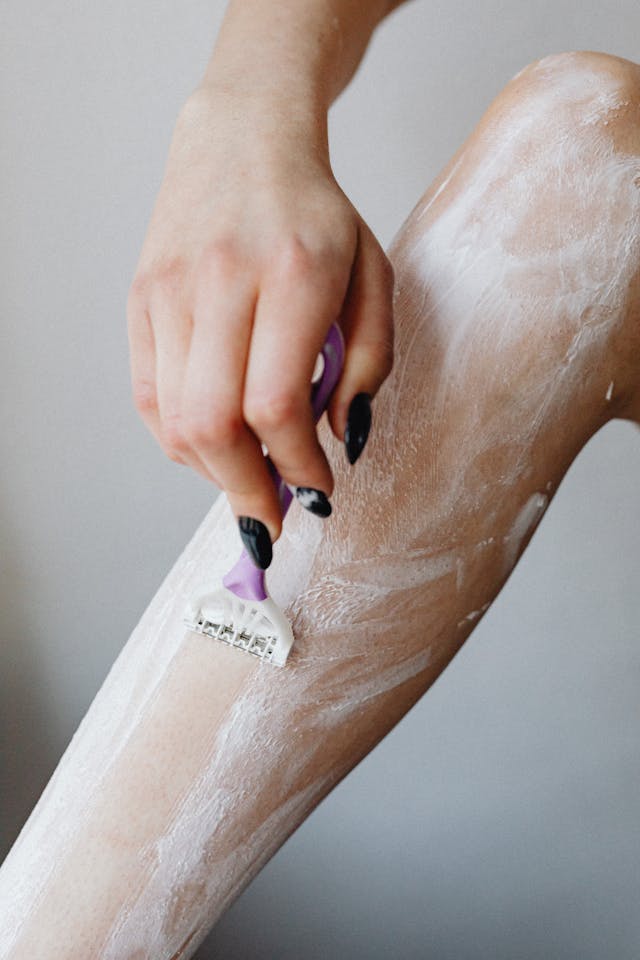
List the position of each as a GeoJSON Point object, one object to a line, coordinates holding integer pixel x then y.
{"type": "Point", "coordinates": [258, 627]}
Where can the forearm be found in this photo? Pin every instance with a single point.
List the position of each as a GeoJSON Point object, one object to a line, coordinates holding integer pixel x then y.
{"type": "Point", "coordinates": [292, 57]}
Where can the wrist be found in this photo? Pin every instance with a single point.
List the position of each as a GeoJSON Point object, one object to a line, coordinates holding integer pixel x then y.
{"type": "Point", "coordinates": [270, 119]}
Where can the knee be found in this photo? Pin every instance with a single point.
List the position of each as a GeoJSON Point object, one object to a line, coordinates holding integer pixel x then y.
{"type": "Point", "coordinates": [558, 157]}
{"type": "Point", "coordinates": [580, 91]}
{"type": "Point", "coordinates": [562, 143]}
{"type": "Point", "coordinates": [535, 219]}
{"type": "Point", "coordinates": [588, 68]}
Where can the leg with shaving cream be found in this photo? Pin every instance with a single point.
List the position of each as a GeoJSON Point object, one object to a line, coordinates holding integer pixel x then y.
{"type": "Point", "coordinates": [517, 312]}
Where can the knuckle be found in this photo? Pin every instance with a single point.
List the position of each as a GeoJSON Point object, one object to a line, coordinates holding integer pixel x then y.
{"type": "Point", "coordinates": [169, 277]}
{"type": "Point", "coordinates": [221, 257]}
{"type": "Point", "coordinates": [173, 436]}
{"type": "Point", "coordinates": [294, 258]}
{"type": "Point", "coordinates": [144, 396]}
{"type": "Point", "coordinates": [271, 410]}
{"type": "Point", "coordinates": [197, 427]}
{"type": "Point", "coordinates": [215, 430]}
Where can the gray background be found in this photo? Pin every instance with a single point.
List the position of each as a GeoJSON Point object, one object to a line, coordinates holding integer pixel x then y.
{"type": "Point", "coordinates": [500, 818]}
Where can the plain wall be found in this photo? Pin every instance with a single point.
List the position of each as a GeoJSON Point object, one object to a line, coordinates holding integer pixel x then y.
{"type": "Point", "coordinates": [500, 818]}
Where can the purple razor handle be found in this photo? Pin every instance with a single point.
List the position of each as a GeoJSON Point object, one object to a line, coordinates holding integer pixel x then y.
{"type": "Point", "coordinates": [245, 579]}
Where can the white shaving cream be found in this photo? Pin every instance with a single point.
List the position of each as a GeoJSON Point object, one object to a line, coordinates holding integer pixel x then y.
{"type": "Point", "coordinates": [195, 761]}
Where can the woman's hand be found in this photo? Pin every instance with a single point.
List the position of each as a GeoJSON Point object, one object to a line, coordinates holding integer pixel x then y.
{"type": "Point", "coordinates": [252, 251]}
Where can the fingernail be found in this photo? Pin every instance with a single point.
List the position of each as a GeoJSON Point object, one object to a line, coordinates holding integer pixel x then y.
{"type": "Point", "coordinates": [256, 539]}
{"type": "Point", "coordinates": [358, 424]}
{"type": "Point", "coordinates": [314, 500]}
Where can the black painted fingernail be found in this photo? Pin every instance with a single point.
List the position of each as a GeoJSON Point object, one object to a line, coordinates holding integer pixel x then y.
{"type": "Point", "coordinates": [314, 500]}
{"type": "Point", "coordinates": [256, 539]}
{"type": "Point", "coordinates": [358, 425]}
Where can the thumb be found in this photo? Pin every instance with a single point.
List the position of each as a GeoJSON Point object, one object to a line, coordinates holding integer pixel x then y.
{"type": "Point", "coordinates": [366, 321]}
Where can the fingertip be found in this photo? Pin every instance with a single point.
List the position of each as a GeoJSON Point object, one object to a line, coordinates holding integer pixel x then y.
{"type": "Point", "coordinates": [337, 411]}
{"type": "Point", "coordinates": [257, 540]}
{"type": "Point", "coordinates": [358, 426]}
{"type": "Point", "coordinates": [315, 501]}
{"type": "Point", "coordinates": [275, 529]}
{"type": "Point", "coordinates": [262, 519]}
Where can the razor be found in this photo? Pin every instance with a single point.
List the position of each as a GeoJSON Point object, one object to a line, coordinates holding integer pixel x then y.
{"type": "Point", "coordinates": [240, 612]}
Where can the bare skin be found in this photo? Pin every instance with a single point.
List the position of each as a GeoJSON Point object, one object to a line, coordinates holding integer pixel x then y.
{"type": "Point", "coordinates": [517, 338]}
{"type": "Point", "coordinates": [252, 251]}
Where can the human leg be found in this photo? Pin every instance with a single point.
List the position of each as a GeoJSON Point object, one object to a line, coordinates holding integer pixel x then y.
{"type": "Point", "coordinates": [516, 309]}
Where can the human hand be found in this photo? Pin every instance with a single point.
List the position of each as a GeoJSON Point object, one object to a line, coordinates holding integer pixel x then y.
{"type": "Point", "coordinates": [252, 251]}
